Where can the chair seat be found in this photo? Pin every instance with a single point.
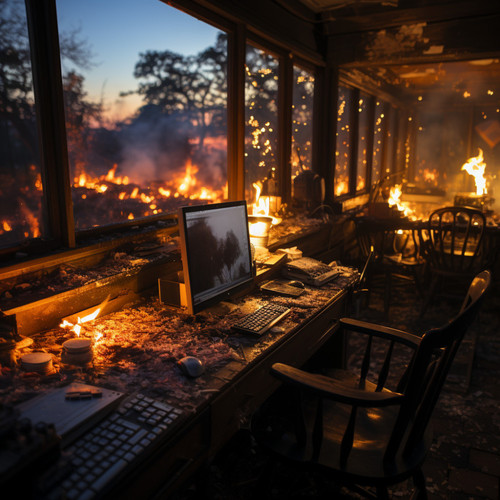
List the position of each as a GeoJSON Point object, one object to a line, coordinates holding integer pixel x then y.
{"type": "Point", "coordinates": [399, 260]}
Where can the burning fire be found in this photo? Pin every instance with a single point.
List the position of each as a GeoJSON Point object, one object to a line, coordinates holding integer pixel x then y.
{"type": "Point", "coordinates": [395, 199]}
{"type": "Point", "coordinates": [475, 166]}
{"type": "Point", "coordinates": [262, 207]}
{"type": "Point", "coordinates": [262, 204]}
{"type": "Point", "coordinates": [182, 185]}
{"type": "Point", "coordinates": [77, 328]}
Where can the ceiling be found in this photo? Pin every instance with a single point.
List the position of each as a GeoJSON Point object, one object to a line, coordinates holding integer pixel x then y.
{"type": "Point", "coordinates": [463, 81]}
{"type": "Point", "coordinates": [455, 83]}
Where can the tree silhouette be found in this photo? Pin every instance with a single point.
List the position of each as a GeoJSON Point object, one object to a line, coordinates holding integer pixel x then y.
{"type": "Point", "coordinates": [16, 83]}
{"type": "Point", "coordinates": [79, 114]}
{"type": "Point", "coordinates": [191, 88]}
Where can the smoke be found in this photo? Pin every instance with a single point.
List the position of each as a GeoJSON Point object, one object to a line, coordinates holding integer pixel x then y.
{"type": "Point", "coordinates": [157, 147]}
{"type": "Point", "coordinates": [154, 147]}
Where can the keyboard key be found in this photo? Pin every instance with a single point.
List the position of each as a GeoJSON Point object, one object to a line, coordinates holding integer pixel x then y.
{"type": "Point", "coordinates": [109, 474]}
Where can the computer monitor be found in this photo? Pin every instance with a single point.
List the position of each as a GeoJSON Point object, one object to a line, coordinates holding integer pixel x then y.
{"type": "Point", "coordinates": [216, 254]}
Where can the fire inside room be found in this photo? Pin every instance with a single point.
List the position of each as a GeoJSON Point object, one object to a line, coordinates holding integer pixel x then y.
{"type": "Point", "coordinates": [249, 248]}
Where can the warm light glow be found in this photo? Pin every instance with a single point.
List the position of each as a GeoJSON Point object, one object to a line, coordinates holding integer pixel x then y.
{"type": "Point", "coordinates": [395, 200]}
{"type": "Point", "coordinates": [181, 183]}
{"type": "Point", "coordinates": [258, 229]}
{"type": "Point", "coordinates": [76, 328]}
{"type": "Point", "coordinates": [341, 187]}
{"type": "Point", "coordinates": [475, 166]}
{"type": "Point", "coordinates": [262, 204]}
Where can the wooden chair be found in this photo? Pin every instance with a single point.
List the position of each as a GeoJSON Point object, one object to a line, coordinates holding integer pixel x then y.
{"type": "Point", "coordinates": [452, 245]}
{"type": "Point", "coordinates": [361, 432]}
{"type": "Point", "coordinates": [396, 257]}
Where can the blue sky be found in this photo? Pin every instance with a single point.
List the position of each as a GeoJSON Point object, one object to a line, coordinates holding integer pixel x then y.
{"type": "Point", "coordinates": [116, 31]}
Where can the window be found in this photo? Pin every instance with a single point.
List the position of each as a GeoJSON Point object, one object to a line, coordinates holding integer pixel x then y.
{"type": "Point", "coordinates": [21, 188]}
{"type": "Point", "coordinates": [145, 117]}
{"type": "Point", "coordinates": [343, 149]}
{"type": "Point", "coordinates": [261, 119]}
{"type": "Point", "coordinates": [302, 120]}
{"type": "Point", "coordinates": [145, 114]}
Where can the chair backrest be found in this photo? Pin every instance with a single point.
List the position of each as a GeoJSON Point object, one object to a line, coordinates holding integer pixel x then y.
{"type": "Point", "coordinates": [385, 239]}
{"type": "Point", "coordinates": [452, 240]}
{"type": "Point", "coordinates": [429, 367]}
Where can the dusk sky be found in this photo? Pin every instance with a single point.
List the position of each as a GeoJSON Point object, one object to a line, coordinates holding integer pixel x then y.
{"type": "Point", "coordinates": [117, 31]}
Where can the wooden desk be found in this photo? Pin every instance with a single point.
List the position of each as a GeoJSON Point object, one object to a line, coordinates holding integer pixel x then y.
{"type": "Point", "coordinates": [235, 383]}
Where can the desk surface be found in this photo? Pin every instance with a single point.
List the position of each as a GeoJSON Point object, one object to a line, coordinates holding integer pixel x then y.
{"type": "Point", "coordinates": [139, 346]}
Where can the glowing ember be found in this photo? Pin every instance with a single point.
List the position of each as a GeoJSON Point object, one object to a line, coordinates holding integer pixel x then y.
{"type": "Point", "coordinates": [475, 166]}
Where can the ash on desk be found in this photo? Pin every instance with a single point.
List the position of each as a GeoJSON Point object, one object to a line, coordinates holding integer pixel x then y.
{"type": "Point", "coordinates": [138, 347]}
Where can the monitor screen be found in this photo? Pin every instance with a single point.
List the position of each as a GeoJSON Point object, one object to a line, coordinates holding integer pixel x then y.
{"type": "Point", "coordinates": [216, 254]}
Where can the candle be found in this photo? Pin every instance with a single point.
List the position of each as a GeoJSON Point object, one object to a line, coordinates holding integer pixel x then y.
{"type": "Point", "coordinates": [77, 351]}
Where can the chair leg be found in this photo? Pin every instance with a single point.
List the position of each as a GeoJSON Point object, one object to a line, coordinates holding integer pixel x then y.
{"type": "Point", "coordinates": [420, 492]}
{"type": "Point", "coordinates": [430, 296]}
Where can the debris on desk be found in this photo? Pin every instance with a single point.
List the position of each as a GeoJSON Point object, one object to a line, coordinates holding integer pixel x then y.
{"type": "Point", "coordinates": [137, 348]}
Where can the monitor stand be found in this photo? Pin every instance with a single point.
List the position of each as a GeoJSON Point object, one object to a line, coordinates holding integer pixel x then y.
{"type": "Point", "coordinates": [220, 309]}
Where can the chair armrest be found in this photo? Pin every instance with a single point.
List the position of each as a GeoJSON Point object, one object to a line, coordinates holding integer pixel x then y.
{"type": "Point", "coordinates": [334, 390]}
{"type": "Point", "coordinates": [384, 332]}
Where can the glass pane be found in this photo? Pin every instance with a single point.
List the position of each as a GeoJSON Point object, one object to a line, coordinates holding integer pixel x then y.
{"type": "Point", "coordinates": [261, 119]}
{"type": "Point", "coordinates": [343, 148]}
{"type": "Point", "coordinates": [302, 121]}
{"type": "Point", "coordinates": [364, 129]}
{"type": "Point", "coordinates": [21, 188]}
{"type": "Point", "coordinates": [378, 141]}
{"type": "Point", "coordinates": [390, 143]}
{"type": "Point", "coordinates": [145, 114]}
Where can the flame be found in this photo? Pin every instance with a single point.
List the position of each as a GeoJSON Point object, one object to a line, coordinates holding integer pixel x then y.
{"type": "Point", "coordinates": [77, 328]}
{"type": "Point", "coordinates": [262, 205]}
{"type": "Point", "coordinates": [341, 187]}
{"type": "Point", "coordinates": [184, 184]}
{"type": "Point", "coordinates": [395, 199]}
{"type": "Point", "coordinates": [475, 166]}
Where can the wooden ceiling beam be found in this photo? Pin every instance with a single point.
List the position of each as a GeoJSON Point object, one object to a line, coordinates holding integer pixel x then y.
{"type": "Point", "coordinates": [343, 23]}
{"type": "Point", "coordinates": [456, 40]}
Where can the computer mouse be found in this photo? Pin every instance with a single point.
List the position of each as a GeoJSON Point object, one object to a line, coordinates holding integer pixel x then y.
{"type": "Point", "coordinates": [191, 366]}
{"type": "Point", "coordinates": [296, 283]}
